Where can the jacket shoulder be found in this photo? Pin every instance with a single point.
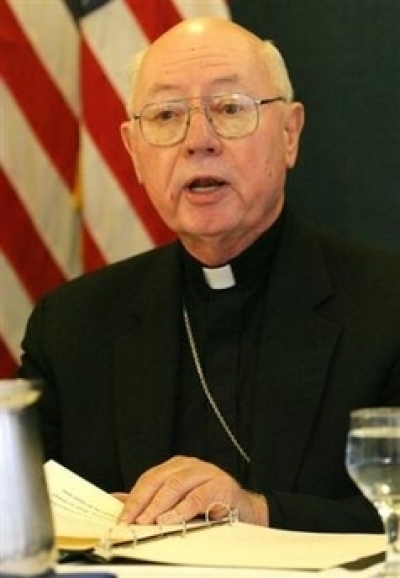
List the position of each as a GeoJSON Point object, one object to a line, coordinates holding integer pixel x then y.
{"type": "Point", "coordinates": [128, 273]}
{"type": "Point", "coordinates": [355, 267]}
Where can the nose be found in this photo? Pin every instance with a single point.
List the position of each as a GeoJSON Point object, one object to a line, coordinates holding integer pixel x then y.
{"type": "Point", "coordinates": [200, 136]}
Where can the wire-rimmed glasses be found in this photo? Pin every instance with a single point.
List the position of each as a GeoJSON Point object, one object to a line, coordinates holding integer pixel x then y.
{"type": "Point", "coordinates": [231, 116]}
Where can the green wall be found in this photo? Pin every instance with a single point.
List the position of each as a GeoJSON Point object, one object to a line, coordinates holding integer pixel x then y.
{"type": "Point", "coordinates": [344, 60]}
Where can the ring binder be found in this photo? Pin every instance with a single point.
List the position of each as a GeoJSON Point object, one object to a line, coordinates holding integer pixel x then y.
{"type": "Point", "coordinates": [85, 522]}
{"type": "Point", "coordinates": [104, 549]}
{"type": "Point", "coordinates": [163, 520]}
{"type": "Point", "coordinates": [225, 542]}
{"type": "Point", "coordinates": [107, 548]}
{"type": "Point", "coordinates": [232, 514]}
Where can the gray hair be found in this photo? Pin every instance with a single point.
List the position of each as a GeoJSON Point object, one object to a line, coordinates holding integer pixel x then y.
{"type": "Point", "coordinates": [277, 67]}
{"type": "Point", "coordinates": [273, 60]}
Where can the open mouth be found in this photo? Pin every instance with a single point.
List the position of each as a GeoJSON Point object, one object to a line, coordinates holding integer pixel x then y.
{"type": "Point", "coordinates": [205, 185]}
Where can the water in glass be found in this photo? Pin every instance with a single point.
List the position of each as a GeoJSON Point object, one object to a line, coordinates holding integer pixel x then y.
{"type": "Point", "coordinates": [373, 462]}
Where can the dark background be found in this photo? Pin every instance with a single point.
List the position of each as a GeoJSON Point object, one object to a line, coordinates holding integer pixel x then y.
{"type": "Point", "coordinates": [343, 57]}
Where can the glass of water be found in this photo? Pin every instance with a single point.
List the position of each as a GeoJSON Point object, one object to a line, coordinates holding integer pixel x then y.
{"type": "Point", "coordinates": [373, 462]}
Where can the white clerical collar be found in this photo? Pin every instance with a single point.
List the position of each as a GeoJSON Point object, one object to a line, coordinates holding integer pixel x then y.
{"type": "Point", "coordinates": [219, 277]}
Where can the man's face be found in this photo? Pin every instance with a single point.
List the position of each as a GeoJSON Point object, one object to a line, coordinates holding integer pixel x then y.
{"type": "Point", "coordinates": [207, 188]}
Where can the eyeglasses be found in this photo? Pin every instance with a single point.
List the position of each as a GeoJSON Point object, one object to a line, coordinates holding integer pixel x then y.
{"type": "Point", "coordinates": [231, 116]}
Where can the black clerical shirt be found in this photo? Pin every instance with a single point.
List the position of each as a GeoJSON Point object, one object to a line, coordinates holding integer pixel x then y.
{"type": "Point", "coordinates": [226, 325]}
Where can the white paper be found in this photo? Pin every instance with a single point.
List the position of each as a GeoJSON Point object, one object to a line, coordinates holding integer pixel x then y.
{"type": "Point", "coordinates": [81, 510]}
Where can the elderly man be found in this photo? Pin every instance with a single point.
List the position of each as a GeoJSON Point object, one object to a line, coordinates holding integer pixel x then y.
{"type": "Point", "coordinates": [220, 369]}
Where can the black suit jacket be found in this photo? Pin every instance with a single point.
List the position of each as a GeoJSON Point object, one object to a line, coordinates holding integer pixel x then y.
{"type": "Point", "coordinates": [107, 346]}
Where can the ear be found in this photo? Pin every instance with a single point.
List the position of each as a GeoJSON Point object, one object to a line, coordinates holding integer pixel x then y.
{"type": "Point", "coordinates": [294, 122]}
{"type": "Point", "coordinates": [128, 138]}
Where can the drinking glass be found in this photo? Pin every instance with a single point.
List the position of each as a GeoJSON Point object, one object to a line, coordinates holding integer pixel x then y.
{"type": "Point", "coordinates": [373, 462]}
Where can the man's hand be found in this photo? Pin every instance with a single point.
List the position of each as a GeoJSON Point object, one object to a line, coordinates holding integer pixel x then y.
{"type": "Point", "coordinates": [182, 488]}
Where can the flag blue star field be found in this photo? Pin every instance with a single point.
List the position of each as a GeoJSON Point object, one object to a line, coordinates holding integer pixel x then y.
{"type": "Point", "coordinates": [69, 201]}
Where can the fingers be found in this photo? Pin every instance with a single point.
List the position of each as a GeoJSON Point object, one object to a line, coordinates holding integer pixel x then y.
{"type": "Point", "coordinates": [121, 496]}
{"type": "Point", "coordinates": [182, 488]}
{"type": "Point", "coordinates": [177, 490]}
{"type": "Point", "coordinates": [142, 494]}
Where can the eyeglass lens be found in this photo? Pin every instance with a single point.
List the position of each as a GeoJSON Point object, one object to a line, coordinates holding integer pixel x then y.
{"type": "Point", "coordinates": [230, 115]}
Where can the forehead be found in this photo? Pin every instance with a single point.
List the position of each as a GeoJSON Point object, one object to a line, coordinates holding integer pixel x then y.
{"type": "Point", "coordinates": [200, 63]}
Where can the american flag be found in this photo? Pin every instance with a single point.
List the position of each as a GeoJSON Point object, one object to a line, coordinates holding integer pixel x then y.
{"type": "Point", "coordinates": [69, 201]}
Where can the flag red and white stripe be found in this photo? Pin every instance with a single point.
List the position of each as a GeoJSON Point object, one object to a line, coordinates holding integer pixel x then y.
{"type": "Point", "coordinates": [69, 201]}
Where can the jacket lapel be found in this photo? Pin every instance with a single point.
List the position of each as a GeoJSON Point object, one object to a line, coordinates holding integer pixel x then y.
{"type": "Point", "coordinates": [297, 346]}
{"type": "Point", "coordinates": [147, 366]}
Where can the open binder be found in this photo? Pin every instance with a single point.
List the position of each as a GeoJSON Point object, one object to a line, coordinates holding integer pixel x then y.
{"type": "Point", "coordinates": [84, 521]}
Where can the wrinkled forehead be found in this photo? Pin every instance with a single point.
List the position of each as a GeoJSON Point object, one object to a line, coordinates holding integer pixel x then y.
{"type": "Point", "coordinates": [200, 64]}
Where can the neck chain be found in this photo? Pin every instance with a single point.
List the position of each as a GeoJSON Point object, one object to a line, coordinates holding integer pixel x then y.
{"type": "Point", "coordinates": [206, 389]}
